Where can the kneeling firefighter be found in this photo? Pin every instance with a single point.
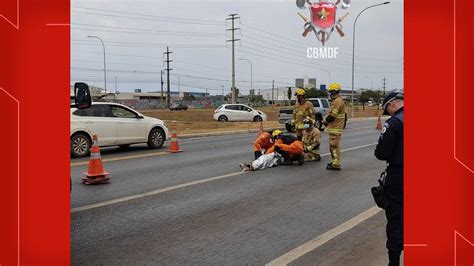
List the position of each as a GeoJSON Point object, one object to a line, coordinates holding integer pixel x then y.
{"type": "Point", "coordinates": [262, 144]}
{"type": "Point", "coordinates": [288, 146]}
{"type": "Point", "coordinates": [311, 141]}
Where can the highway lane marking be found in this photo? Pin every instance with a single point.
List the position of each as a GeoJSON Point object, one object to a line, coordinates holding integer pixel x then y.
{"type": "Point", "coordinates": [138, 156]}
{"type": "Point", "coordinates": [320, 240]}
{"type": "Point", "coordinates": [121, 158]}
{"type": "Point", "coordinates": [171, 188]}
{"type": "Point", "coordinates": [155, 192]}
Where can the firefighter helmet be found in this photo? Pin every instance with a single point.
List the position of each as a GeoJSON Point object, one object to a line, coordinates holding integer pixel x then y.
{"type": "Point", "coordinates": [276, 133]}
{"type": "Point", "coordinates": [334, 87]}
{"type": "Point", "coordinates": [300, 92]}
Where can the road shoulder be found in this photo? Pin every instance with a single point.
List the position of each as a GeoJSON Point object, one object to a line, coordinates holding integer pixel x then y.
{"type": "Point", "coordinates": [362, 245]}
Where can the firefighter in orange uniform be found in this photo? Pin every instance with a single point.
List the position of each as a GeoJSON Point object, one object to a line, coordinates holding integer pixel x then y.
{"type": "Point", "coordinates": [334, 123]}
{"type": "Point", "coordinates": [288, 146]}
{"type": "Point", "coordinates": [262, 144]}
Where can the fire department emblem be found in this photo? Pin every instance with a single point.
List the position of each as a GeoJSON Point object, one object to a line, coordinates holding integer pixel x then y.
{"type": "Point", "coordinates": [323, 18]}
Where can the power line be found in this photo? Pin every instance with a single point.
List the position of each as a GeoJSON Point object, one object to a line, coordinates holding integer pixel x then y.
{"type": "Point", "coordinates": [158, 18]}
{"type": "Point", "coordinates": [138, 44]}
{"type": "Point", "coordinates": [183, 34]}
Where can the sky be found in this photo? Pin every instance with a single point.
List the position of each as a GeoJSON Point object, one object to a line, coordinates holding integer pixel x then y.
{"type": "Point", "coordinates": [136, 33]}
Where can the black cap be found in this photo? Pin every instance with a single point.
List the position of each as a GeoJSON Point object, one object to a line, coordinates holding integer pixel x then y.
{"type": "Point", "coordinates": [390, 97]}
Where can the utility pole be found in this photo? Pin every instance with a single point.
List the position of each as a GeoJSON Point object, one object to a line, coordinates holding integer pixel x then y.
{"type": "Point", "coordinates": [161, 89]}
{"type": "Point", "coordinates": [273, 93]}
{"type": "Point", "coordinates": [233, 17]}
{"type": "Point", "coordinates": [384, 84]}
{"type": "Point", "coordinates": [168, 69]}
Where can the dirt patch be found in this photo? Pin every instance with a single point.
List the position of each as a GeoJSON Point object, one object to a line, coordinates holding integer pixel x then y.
{"type": "Point", "coordinates": [201, 120]}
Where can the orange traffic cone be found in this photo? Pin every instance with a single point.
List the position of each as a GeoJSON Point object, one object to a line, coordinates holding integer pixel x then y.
{"type": "Point", "coordinates": [174, 146]}
{"type": "Point", "coordinates": [95, 174]}
{"type": "Point", "coordinates": [379, 124]}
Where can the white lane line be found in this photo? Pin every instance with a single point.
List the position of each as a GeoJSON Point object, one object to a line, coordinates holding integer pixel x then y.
{"type": "Point", "coordinates": [146, 194]}
{"type": "Point", "coordinates": [114, 159]}
{"type": "Point", "coordinates": [309, 246]}
{"type": "Point", "coordinates": [159, 191]}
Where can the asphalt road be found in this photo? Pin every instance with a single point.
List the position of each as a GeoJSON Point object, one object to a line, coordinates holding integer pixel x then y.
{"type": "Point", "coordinates": [196, 207]}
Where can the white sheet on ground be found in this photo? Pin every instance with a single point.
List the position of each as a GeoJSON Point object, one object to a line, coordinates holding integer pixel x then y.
{"type": "Point", "coordinates": [266, 161]}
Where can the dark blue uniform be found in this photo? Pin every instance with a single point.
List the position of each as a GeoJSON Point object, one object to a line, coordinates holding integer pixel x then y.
{"type": "Point", "coordinates": [390, 149]}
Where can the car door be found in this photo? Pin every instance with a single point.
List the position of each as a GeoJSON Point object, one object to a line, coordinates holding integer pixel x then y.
{"type": "Point", "coordinates": [326, 106]}
{"type": "Point", "coordinates": [99, 121]}
{"type": "Point", "coordinates": [239, 112]}
{"type": "Point", "coordinates": [231, 111]}
{"type": "Point", "coordinates": [247, 114]}
{"type": "Point", "coordinates": [130, 127]}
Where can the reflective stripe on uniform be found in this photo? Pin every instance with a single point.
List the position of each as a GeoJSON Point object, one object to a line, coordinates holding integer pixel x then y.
{"type": "Point", "coordinates": [333, 130]}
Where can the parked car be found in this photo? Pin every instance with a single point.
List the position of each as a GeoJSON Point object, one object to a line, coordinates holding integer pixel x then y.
{"type": "Point", "coordinates": [178, 106]}
{"type": "Point", "coordinates": [238, 112]}
{"type": "Point", "coordinates": [321, 107]}
{"type": "Point", "coordinates": [115, 125]}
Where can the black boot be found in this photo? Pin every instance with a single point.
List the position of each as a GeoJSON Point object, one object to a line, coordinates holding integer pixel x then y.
{"type": "Point", "coordinates": [300, 159]}
{"type": "Point", "coordinates": [332, 167]}
{"type": "Point", "coordinates": [393, 258]}
{"type": "Point", "coordinates": [257, 154]}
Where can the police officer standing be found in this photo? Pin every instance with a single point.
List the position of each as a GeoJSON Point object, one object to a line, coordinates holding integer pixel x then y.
{"type": "Point", "coordinates": [390, 149]}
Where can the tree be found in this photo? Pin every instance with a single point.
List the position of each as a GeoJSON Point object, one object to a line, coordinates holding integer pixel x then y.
{"type": "Point", "coordinates": [315, 93]}
{"type": "Point", "coordinates": [364, 97]}
{"type": "Point", "coordinates": [367, 95]}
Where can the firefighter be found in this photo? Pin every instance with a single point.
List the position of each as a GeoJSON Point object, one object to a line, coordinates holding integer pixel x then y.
{"type": "Point", "coordinates": [311, 141]}
{"type": "Point", "coordinates": [390, 149]}
{"type": "Point", "coordinates": [288, 146]}
{"type": "Point", "coordinates": [334, 123]}
{"type": "Point", "coordinates": [303, 109]}
{"type": "Point", "coordinates": [262, 144]}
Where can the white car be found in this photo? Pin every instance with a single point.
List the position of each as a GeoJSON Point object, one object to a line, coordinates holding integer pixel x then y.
{"type": "Point", "coordinates": [238, 112]}
{"type": "Point", "coordinates": [115, 125]}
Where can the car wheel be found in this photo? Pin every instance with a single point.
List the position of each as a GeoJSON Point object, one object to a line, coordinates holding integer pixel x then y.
{"type": "Point", "coordinates": [257, 118]}
{"type": "Point", "coordinates": [156, 138]}
{"type": "Point", "coordinates": [80, 145]}
{"type": "Point", "coordinates": [223, 118]}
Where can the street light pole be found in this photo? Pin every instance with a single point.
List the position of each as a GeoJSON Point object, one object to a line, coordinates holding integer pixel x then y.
{"type": "Point", "coordinates": [105, 65]}
{"type": "Point", "coordinates": [251, 72]}
{"type": "Point", "coordinates": [353, 51]}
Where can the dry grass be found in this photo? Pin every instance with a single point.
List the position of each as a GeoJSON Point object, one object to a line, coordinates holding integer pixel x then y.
{"type": "Point", "coordinates": [201, 120]}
